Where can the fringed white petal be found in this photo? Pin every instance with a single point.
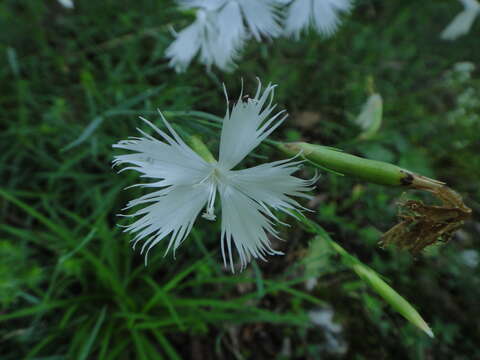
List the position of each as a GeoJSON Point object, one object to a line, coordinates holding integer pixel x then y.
{"type": "Point", "coordinates": [324, 15]}
{"type": "Point", "coordinates": [244, 228]}
{"type": "Point", "coordinates": [211, 5]}
{"type": "Point", "coordinates": [231, 36]}
{"type": "Point", "coordinates": [247, 125]}
{"type": "Point", "coordinates": [172, 212]}
{"type": "Point", "coordinates": [181, 175]}
{"type": "Point", "coordinates": [194, 38]}
{"type": "Point", "coordinates": [261, 17]}
{"type": "Point", "coordinates": [470, 4]}
{"type": "Point", "coordinates": [272, 184]}
{"type": "Point", "coordinates": [218, 35]}
{"type": "Point", "coordinates": [172, 162]}
{"type": "Point", "coordinates": [463, 22]}
{"type": "Point", "coordinates": [298, 17]}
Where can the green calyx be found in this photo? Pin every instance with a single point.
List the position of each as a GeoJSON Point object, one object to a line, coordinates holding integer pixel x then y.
{"type": "Point", "coordinates": [336, 161]}
{"type": "Point", "coordinates": [200, 148]}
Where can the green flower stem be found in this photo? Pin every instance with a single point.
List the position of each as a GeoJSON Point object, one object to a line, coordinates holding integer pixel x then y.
{"type": "Point", "coordinates": [373, 171]}
{"type": "Point", "coordinates": [200, 148]}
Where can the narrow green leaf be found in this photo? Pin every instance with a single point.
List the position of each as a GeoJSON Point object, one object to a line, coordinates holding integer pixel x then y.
{"type": "Point", "coordinates": [399, 303]}
{"type": "Point", "coordinates": [84, 242]}
{"type": "Point", "coordinates": [87, 347]}
{"type": "Point", "coordinates": [86, 133]}
{"type": "Point", "coordinates": [38, 347]}
{"type": "Point", "coordinates": [139, 345]}
{"type": "Point", "coordinates": [259, 280]}
{"type": "Point", "coordinates": [34, 213]}
{"type": "Point", "coordinates": [105, 343]}
{"type": "Point", "coordinates": [402, 306]}
{"type": "Point", "coordinates": [98, 120]}
{"type": "Point", "coordinates": [166, 346]}
{"type": "Point", "coordinates": [161, 296]}
{"type": "Point", "coordinates": [45, 307]}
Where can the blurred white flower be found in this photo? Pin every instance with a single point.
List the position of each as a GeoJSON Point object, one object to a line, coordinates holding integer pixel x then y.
{"type": "Point", "coordinates": [470, 258]}
{"type": "Point", "coordinates": [333, 332]}
{"type": "Point", "coordinates": [67, 3]}
{"type": "Point", "coordinates": [231, 36]}
{"type": "Point", "coordinates": [210, 5]}
{"type": "Point", "coordinates": [196, 37]}
{"type": "Point", "coordinates": [186, 183]}
{"type": "Point", "coordinates": [323, 15]}
{"type": "Point", "coordinates": [261, 17]}
{"type": "Point", "coordinates": [462, 23]}
{"type": "Point", "coordinates": [220, 31]}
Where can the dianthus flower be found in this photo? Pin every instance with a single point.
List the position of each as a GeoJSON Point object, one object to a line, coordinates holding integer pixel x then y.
{"type": "Point", "coordinates": [323, 15]}
{"type": "Point", "coordinates": [220, 30]}
{"type": "Point", "coordinates": [186, 183]}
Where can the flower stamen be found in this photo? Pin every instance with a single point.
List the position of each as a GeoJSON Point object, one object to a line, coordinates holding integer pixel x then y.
{"type": "Point", "coordinates": [209, 213]}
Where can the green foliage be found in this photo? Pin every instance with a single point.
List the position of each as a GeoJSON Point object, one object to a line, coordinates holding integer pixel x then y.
{"type": "Point", "coordinates": [17, 273]}
{"type": "Point", "coordinates": [73, 82]}
{"type": "Point", "coordinates": [369, 276]}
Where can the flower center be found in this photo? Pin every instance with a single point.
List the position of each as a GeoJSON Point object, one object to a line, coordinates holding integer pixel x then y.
{"type": "Point", "coordinates": [212, 180]}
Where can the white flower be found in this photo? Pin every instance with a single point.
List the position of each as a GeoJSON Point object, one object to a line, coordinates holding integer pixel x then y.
{"type": "Point", "coordinates": [219, 32]}
{"type": "Point", "coordinates": [191, 40]}
{"type": "Point", "coordinates": [210, 5]}
{"type": "Point", "coordinates": [231, 36]}
{"type": "Point", "coordinates": [67, 3]}
{"type": "Point", "coordinates": [261, 17]}
{"type": "Point", "coordinates": [322, 14]}
{"type": "Point", "coordinates": [186, 183]}
{"type": "Point", "coordinates": [462, 23]}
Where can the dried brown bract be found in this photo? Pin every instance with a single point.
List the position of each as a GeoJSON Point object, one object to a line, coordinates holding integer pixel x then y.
{"type": "Point", "coordinates": [422, 225]}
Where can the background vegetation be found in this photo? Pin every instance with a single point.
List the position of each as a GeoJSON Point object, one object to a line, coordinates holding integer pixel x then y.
{"type": "Point", "coordinates": [72, 83]}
